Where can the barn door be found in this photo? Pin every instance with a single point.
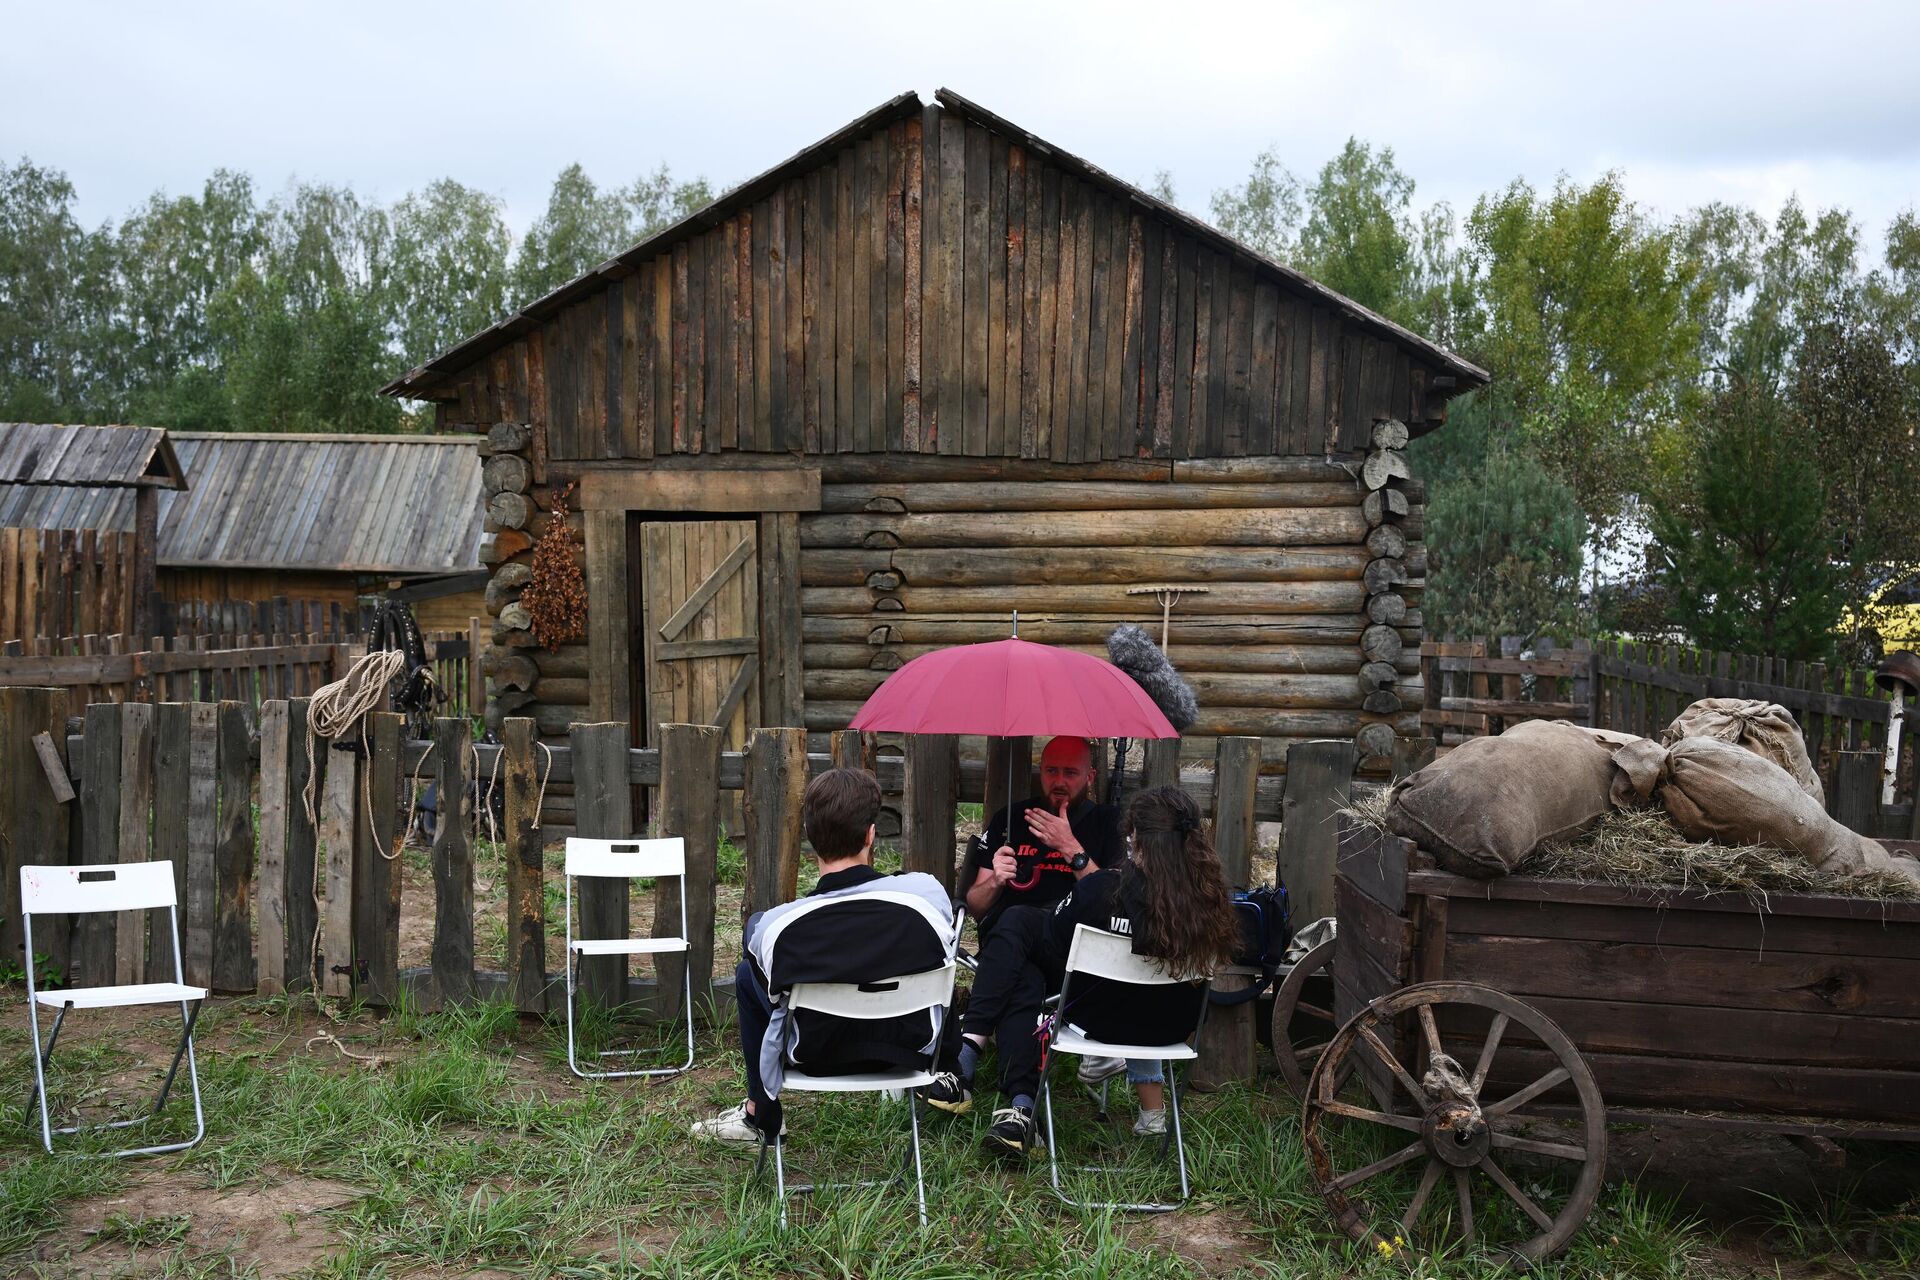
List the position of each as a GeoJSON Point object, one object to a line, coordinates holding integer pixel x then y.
{"type": "Point", "coordinates": [701, 638]}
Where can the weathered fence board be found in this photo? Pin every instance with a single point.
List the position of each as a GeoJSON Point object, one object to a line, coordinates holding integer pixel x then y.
{"type": "Point", "coordinates": [272, 879]}
{"type": "Point", "coordinates": [378, 833]}
{"type": "Point", "coordinates": [306, 767]}
{"type": "Point", "coordinates": [776, 779]}
{"type": "Point", "coordinates": [689, 808]}
{"type": "Point", "coordinates": [526, 870]}
{"type": "Point", "coordinates": [339, 802]}
{"type": "Point", "coordinates": [1227, 1040]}
{"type": "Point", "coordinates": [35, 822]}
{"type": "Point", "coordinates": [135, 838]}
{"type": "Point", "coordinates": [605, 811]}
{"type": "Point", "coordinates": [452, 861]}
{"type": "Point", "coordinates": [233, 855]}
{"type": "Point", "coordinates": [926, 830]}
{"type": "Point", "coordinates": [95, 936]}
{"type": "Point", "coordinates": [1319, 784]}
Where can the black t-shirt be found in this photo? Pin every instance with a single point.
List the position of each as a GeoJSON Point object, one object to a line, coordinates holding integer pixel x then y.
{"type": "Point", "coordinates": [1095, 826]}
{"type": "Point", "coordinates": [1157, 1014]}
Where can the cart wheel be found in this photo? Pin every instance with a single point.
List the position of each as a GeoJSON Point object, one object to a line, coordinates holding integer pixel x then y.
{"type": "Point", "coordinates": [1449, 1129]}
{"type": "Point", "coordinates": [1301, 1025]}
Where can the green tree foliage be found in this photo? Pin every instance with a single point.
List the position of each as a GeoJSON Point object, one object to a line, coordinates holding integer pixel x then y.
{"type": "Point", "coordinates": [1263, 212]}
{"type": "Point", "coordinates": [1585, 313]}
{"type": "Point", "coordinates": [1357, 234]}
{"type": "Point", "coordinates": [1745, 557]}
{"type": "Point", "coordinates": [51, 274]}
{"type": "Point", "coordinates": [1509, 563]}
{"type": "Point", "coordinates": [213, 311]}
{"type": "Point", "coordinates": [446, 267]}
{"type": "Point", "coordinates": [583, 226]}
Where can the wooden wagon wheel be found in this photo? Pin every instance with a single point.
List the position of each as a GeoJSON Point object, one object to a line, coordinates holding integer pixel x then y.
{"type": "Point", "coordinates": [1301, 1027]}
{"type": "Point", "coordinates": [1455, 1133]}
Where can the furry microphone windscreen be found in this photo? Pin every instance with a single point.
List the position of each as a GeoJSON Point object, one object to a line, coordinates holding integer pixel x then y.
{"type": "Point", "coordinates": [1134, 652]}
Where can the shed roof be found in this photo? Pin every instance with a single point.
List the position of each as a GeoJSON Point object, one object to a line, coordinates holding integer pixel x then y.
{"type": "Point", "coordinates": [421, 382]}
{"type": "Point", "coordinates": [58, 453]}
{"type": "Point", "coordinates": [401, 505]}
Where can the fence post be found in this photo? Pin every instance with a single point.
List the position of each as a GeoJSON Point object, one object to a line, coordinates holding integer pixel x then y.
{"type": "Point", "coordinates": [1856, 791]}
{"type": "Point", "coordinates": [94, 935]}
{"type": "Point", "coordinates": [933, 769]}
{"type": "Point", "coordinates": [689, 808]}
{"type": "Point", "coordinates": [272, 881]}
{"type": "Point", "coordinates": [135, 843]}
{"type": "Point", "coordinates": [35, 822]}
{"type": "Point", "coordinates": [776, 782]}
{"type": "Point", "coordinates": [1226, 1045]}
{"type": "Point", "coordinates": [526, 872]}
{"type": "Point", "coordinates": [376, 863]}
{"type": "Point", "coordinates": [452, 863]}
{"type": "Point", "coordinates": [1162, 767]}
{"type": "Point", "coordinates": [1002, 752]}
{"type": "Point", "coordinates": [339, 803]}
{"type": "Point", "coordinates": [603, 810]}
{"type": "Point", "coordinates": [233, 856]}
{"type": "Point", "coordinates": [1319, 784]}
{"type": "Point", "coordinates": [852, 749]}
{"type": "Point", "coordinates": [172, 806]}
{"type": "Point", "coordinates": [303, 841]}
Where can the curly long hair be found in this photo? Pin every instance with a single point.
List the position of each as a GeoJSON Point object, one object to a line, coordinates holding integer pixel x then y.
{"type": "Point", "coordinates": [1187, 919]}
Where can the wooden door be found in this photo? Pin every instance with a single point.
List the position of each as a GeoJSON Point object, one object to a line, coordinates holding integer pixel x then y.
{"type": "Point", "coordinates": [700, 638]}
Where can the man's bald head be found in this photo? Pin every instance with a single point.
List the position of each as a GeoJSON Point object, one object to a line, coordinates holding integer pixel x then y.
{"type": "Point", "coordinates": [1066, 771]}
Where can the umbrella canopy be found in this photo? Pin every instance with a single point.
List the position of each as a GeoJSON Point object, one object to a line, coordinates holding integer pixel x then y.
{"type": "Point", "coordinates": [1013, 689]}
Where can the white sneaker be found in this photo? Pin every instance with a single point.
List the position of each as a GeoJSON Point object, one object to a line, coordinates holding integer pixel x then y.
{"type": "Point", "coordinates": [733, 1126]}
{"type": "Point", "coordinates": [1096, 1071]}
{"type": "Point", "coordinates": [1151, 1124]}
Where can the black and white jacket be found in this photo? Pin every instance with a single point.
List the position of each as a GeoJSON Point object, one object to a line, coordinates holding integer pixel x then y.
{"type": "Point", "coordinates": [865, 928]}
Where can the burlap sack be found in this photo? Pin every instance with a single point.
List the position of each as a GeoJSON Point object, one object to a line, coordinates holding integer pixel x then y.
{"type": "Point", "coordinates": [1764, 728]}
{"type": "Point", "coordinates": [1482, 808]}
{"type": "Point", "coordinates": [1714, 790]}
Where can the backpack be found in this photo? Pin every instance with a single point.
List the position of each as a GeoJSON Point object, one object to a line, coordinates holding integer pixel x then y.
{"type": "Point", "coordinates": [1266, 929]}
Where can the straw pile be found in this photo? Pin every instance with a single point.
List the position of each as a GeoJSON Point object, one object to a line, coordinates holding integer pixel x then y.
{"type": "Point", "coordinates": [1642, 848]}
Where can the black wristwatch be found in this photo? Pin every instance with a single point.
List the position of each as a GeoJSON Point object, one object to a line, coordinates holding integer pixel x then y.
{"type": "Point", "coordinates": [1079, 860]}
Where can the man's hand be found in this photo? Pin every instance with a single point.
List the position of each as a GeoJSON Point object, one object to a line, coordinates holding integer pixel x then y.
{"type": "Point", "coordinates": [1005, 869]}
{"type": "Point", "coordinates": [1053, 830]}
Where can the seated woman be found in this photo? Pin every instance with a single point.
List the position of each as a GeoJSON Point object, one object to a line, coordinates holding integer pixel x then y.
{"type": "Point", "coordinates": [1168, 896]}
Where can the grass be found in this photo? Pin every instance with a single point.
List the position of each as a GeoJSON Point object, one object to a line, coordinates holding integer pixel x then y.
{"type": "Point", "coordinates": [473, 1148]}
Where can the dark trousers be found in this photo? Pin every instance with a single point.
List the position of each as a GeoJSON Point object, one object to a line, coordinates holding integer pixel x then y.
{"type": "Point", "coordinates": [1019, 969]}
{"type": "Point", "coordinates": [756, 1011]}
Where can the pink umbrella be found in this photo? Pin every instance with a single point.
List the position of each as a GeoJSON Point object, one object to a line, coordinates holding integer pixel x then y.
{"type": "Point", "coordinates": [1013, 689]}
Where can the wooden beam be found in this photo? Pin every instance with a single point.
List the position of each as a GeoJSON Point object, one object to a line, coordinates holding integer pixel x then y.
{"type": "Point", "coordinates": [609, 619]}
{"type": "Point", "coordinates": [707, 492]}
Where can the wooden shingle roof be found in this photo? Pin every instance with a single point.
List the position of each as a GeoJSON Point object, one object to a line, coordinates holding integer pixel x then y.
{"type": "Point", "coordinates": [59, 453]}
{"type": "Point", "coordinates": [400, 505]}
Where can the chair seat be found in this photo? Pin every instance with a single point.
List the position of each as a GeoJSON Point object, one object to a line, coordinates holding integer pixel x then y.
{"type": "Point", "coordinates": [1073, 1040]}
{"type": "Point", "coordinates": [118, 997]}
{"type": "Point", "coordinates": [862, 1083]}
{"type": "Point", "coordinates": [626, 946]}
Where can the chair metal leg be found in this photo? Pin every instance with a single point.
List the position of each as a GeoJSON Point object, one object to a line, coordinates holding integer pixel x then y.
{"type": "Point", "coordinates": [1053, 1159]}
{"type": "Point", "coordinates": [919, 1174]}
{"type": "Point", "coordinates": [573, 1064]}
{"type": "Point", "coordinates": [42, 1057]}
{"type": "Point", "coordinates": [187, 1017]}
{"type": "Point", "coordinates": [780, 1181]}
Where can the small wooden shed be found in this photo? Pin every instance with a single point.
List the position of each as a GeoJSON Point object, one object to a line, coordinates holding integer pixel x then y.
{"type": "Point", "coordinates": [930, 370]}
{"type": "Point", "coordinates": [319, 518]}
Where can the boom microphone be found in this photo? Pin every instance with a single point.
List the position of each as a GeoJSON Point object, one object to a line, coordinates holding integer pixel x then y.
{"type": "Point", "coordinates": [1134, 652]}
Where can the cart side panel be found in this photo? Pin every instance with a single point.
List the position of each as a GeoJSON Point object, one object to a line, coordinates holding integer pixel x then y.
{"type": "Point", "coordinates": [1374, 943]}
{"type": "Point", "coordinates": [1804, 1006]}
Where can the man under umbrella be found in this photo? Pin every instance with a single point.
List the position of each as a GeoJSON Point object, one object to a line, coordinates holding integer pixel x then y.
{"type": "Point", "coordinates": [1031, 855]}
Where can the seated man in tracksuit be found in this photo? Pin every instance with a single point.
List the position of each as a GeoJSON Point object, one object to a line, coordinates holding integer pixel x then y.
{"type": "Point", "coordinates": [856, 926]}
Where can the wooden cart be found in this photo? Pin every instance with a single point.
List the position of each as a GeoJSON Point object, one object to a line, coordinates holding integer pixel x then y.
{"type": "Point", "coordinates": [1488, 1020]}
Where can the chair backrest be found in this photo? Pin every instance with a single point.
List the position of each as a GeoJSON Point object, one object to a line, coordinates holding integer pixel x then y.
{"type": "Point", "coordinates": [1099, 954]}
{"type": "Point", "coordinates": [109, 886]}
{"type": "Point", "coordinates": [626, 859]}
{"type": "Point", "coordinates": [887, 998]}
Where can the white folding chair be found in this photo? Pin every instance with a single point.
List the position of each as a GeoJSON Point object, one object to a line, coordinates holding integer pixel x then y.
{"type": "Point", "coordinates": [83, 890]}
{"type": "Point", "coordinates": [589, 859]}
{"type": "Point", "coordinates": [1096, 955]}
{"type": "Point", "coordinates": [866, 1002]}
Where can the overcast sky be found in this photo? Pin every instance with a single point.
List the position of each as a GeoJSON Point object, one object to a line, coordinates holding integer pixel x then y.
{"type": "Point", "coordinates": [1694, 102]}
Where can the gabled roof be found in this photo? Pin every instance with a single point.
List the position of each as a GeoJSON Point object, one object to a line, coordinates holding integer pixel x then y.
{"type": "Point", "coordinates": [419, 382]}
{"type": "Point", "coordinates": [58, 453]}
{"type": "Point", "coordinates": [401, 505]}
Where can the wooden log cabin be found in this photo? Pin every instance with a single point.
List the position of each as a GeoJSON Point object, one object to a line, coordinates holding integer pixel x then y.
{"type": "Point", "coordinates": [930, 370]}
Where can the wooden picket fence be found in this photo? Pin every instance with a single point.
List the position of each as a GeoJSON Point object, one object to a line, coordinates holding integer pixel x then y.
{"type": "Point", "coordinates": [64, 582]}
{"type": "Point", "coordinates": [1484, 686]}
{"type": "Point", "coordinates": [290, 901]}
{"type": "Point", "coordinates": [210, 668]}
